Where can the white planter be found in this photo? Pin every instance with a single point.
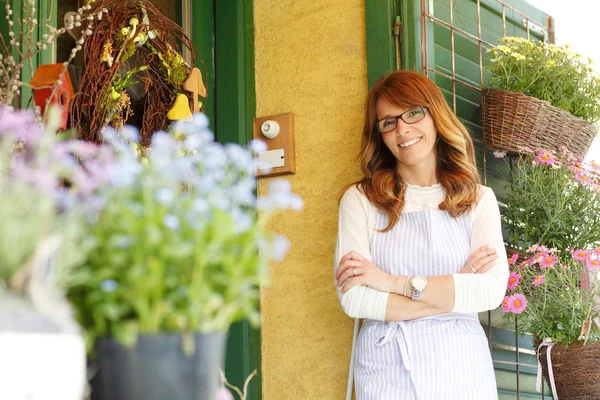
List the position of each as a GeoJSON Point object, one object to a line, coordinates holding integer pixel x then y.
{"type": "Point", "coordinates": [42, 366]}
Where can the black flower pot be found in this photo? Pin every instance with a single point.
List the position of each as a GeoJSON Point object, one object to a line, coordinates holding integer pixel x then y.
{"type": "Point", "coordinates": [156, 368]}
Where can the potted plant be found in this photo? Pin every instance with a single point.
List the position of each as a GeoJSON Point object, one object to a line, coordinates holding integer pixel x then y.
{"type": "Point", "coordinates": [554, 198]}
{"type": "Point", "coordinates": [41, 240]}
{"type": "Point", "coordinates": [180, 252]}
{"type": "Point", "coordinates": [553, 295]}
{"type": "Point", "coordinates": [539, 95]}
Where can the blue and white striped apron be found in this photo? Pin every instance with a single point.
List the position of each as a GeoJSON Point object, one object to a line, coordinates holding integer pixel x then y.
{"type": "Point", "coordinates": [442, 357]}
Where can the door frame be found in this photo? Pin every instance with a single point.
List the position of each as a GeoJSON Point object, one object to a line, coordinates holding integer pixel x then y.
{"type": "Point", "coordinates": [231, 111]}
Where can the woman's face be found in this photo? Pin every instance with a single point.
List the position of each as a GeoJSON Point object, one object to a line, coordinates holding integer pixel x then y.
{"type": "Point", "coordinates": [413, 145]}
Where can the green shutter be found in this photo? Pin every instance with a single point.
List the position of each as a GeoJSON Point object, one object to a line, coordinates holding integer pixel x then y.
{"type": "Point", "coordinates": [45, 15]}
{"type": "Point", "coordinates": [464, 97]}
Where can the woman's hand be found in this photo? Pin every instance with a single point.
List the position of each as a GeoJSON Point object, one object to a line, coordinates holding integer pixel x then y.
{"type": "Point", "coordinates": [480, 261]}
{"type": "Point", "coordinates": [355, 270]}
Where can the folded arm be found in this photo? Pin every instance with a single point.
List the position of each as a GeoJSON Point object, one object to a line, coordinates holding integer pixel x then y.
{"type": "Point", "coordinates": [473, 292]}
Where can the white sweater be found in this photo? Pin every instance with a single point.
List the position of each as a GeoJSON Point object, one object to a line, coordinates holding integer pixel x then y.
{"type": "Point", "coordinates": [473, 292]}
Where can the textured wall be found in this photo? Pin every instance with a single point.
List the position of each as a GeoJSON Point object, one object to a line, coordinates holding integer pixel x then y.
{"type": "Point", "coordinates": [310, 60]}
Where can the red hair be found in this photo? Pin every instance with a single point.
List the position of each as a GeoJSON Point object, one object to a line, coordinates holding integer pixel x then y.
{"type": "Point", "coordinates": [456, 170]}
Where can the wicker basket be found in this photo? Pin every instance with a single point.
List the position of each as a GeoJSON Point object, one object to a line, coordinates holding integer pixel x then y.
{"type": "Point", "coordinates": [521, 258]}
{"type": "Point", "coordinates": [510, 120]}
{"type": "Point", "coordinates": [576, 370]}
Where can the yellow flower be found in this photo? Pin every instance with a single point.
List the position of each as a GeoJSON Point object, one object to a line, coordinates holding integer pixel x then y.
{"type": "Point", "coordinates": [125, 31]}
{"type": "Point", "coordinates": [504, 49]}
{"type": "Point", "coordinates": [518, 56]}
{"type": "Point", "coordinates": [549, 63]}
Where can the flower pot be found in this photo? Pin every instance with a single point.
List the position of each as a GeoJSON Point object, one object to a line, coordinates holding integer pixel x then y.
{"type": "Point", "coordinates": [156, 368]}
{"type": "Point", "coordinates": [511, 120]}
{"type": "Point", "coordinates": [576, 370]}
{"type": "Point", "coordinates": [42, 356]}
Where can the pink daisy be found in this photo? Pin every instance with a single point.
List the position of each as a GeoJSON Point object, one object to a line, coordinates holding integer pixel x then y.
{"type": "Point", "coordinates": [595, 165]}
{"type": "Point", "coordinates": [576, 170]}
{"type": "Point", "coordinates": [499, 154]}
{"type": "Point", "coordinates": [593, 264]}
{"type": "Point", "coordinates": [567, 153]}
{"type": "Point", "coordinates": [524, 149]}
{"type": "Point", "coordinates": [505, 304]}
{"type": "Point", "coordinates": [581, 255]}
{"type": "Point", "coordinates": [597, 188]}
{"type": "Point", "coordinates": [548, 261]}
{"type": "Point", "coordinates": [517, 303]}
{"type": "Point", "coordinates": [533, 248]}
{"type": "Point", "coordinates": [582, 178]}
{"type": "Point", "coordinates": [535, 259]}
{"type": "Point", "coordinates": [545, 157]}
{"type": "Point", "coordinates": [513, 280]}
{"type": "Point", "coordinates": [512, 259]}
{"type": "Point", "coordinates": [539, 280]}
{"type": "Point", "coordinates": [597, 251]}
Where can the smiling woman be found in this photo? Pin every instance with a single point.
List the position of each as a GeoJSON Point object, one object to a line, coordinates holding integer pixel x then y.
{"type": "Point", "coordinates": [419, 250]}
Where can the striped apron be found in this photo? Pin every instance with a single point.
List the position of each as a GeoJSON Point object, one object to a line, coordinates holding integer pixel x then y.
{"type": "Point", "coordinates": [442, 357]}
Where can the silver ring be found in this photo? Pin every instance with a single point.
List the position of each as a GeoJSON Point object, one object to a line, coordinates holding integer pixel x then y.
{"type": "Point", "coordinates": [473, 269]}
{"type": "Point", "coordinates": [354, 271]}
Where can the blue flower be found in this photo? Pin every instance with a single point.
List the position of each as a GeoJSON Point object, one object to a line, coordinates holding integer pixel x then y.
{"type": "Point", "coordinates": [201, 205]}
{"type": "Point", "coordinates": [130, 133]}
{"type": "Point", "coordinates": [171, 221]}
{"type": "Point", "coordinates": [240, 158]}
{"type": "Point", "coordinates": [109, 285]}
{"type": "Point", "coordinates": [121, 241]}
{"type": "Point", "coordinates": [125, 173]}
{"type": "Point", "coordinates": [258, 146]}
{"type": "Point", "coordinates": [242, 221]}
{"type": "Point", "coordinates": [281, 245]}
{"type": "Point", "coordinates": [164, 196]}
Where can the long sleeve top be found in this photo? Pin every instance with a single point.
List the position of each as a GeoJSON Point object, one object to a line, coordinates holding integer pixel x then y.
{"type": "Point", "coordinates": [473, 292]}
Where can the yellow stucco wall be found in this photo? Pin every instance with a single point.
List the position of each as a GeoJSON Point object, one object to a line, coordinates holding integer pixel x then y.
{"type": "Point", "coordinates": [310, 60]}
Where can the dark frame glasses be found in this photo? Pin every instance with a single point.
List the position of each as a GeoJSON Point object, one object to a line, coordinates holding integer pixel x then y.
{"type": "Point", "coordinates": [411, 116]}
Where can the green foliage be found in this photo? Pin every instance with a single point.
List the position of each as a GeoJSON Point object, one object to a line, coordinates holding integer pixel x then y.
{"type": "Point", "coordinates": [144, 277]}
{"type": "Point", "coordinates": [556, 204]}
{"type": "Point", "coordinates": [172, 67]}
{"type": "Point", "coordinates": [179, 245]}
{"type": "Point", "coordinates": [548, 72]}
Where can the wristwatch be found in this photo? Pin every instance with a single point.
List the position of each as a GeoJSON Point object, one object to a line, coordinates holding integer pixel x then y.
{"type": "Point", "coordinates": [418, 283]}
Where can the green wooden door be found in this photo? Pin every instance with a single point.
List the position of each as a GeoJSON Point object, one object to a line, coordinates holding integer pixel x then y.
{"type": "Point", "coordinates": [224, 35]}
{"type": "Point", "coordinates": [447, 41]}
{"type": "Point", "coordinates": [233, 108]}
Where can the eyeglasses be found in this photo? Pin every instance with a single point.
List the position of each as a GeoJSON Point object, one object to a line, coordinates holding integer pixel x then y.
{"type": "Point", "coordinates": [411, 116]}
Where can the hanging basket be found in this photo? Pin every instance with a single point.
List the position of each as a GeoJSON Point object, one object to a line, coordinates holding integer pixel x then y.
{"type": "Point", "coordinates": [576, 370]}
{"type": "Point", "coordinates": [511, 120]}
{"type": "Point", "coordinates": [521, 257]}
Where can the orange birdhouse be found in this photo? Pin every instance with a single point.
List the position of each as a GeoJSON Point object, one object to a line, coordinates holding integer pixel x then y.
{"type": "Point", "coordinates": [42, 83]}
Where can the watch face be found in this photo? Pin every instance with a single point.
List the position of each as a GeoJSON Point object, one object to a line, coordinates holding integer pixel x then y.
{"type": "Point", "coordinates": [419, 282]}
